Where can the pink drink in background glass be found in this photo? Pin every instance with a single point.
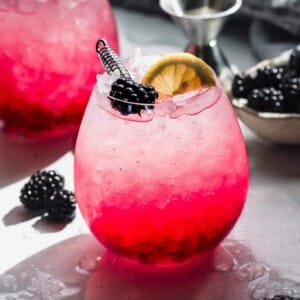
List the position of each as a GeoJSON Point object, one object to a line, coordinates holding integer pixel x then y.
{"type": "Point", "coordinates": [165, 187]}
{"type": "Point", "coordinates": [48, 66]}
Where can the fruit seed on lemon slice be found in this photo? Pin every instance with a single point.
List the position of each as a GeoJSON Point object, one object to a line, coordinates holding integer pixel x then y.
{"type": "Point", "coordinates": [178, 73]}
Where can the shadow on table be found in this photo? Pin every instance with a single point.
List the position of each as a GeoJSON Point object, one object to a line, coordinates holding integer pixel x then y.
{"type": "Point", "coordinates": [20, 214]}
{"type": "Point", "coordinates": [20, 158]}
{"type": "Point", "coordinates": [80, 269]}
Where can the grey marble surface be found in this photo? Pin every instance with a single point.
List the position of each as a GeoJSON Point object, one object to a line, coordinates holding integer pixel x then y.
{"type": "Point", "coordinates": [259, 258]}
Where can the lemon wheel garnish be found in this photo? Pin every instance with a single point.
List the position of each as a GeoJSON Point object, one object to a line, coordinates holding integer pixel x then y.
{"type": "Point", "coordinates": [178, 73]}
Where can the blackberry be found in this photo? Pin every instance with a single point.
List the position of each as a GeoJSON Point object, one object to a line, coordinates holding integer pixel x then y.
{"type": "Point", "coordinates": [127, 90]}
{"type": "Point", "coordinates": [39, 188]}
{"type": "Point", "coordinates": [291, 90]}
{"type": "Point", "coordinates": [60, 206]}
{"type": "Point", "coordinates": [281, 297]}
{"type": "Point", "coordinates": [294, 62]}
{"type": "Point", "coordinates": [266, 100]}
{"type": "Point", "coordinates": [241, 85]}
{"type": "Point", "coordinates": [269, 77]}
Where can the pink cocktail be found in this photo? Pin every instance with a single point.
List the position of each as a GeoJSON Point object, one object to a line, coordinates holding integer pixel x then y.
{"type": "Point", "coordinates": [165, 186]}
{"type": "Point", "coordinates": [48, 66]}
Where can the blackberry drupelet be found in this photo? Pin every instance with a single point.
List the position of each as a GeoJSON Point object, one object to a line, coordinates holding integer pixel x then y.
{"type": "Point", "coordinates": [266, 100]}
{"type": "Point", "coordinates": [269, 77]}
{"type": "Point", "coordinates": [242, 85]}
{"type": "Point", "coordinates": [291, 90]}
{"type": "Point", "coordinates": [60, 206]}
{"type": "Point", "coordinates": [294, 62]}
{"type": "Point", "coordinates": [282, 297]}
{"type": "Point", "coordinates": [127, 90]}
{"type": "Point", "coordinates": [39, 188]}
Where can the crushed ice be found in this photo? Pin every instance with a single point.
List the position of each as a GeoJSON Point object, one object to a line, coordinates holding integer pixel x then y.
{"type": "Point", "coordinates": [36, 285]}
{"type": "Point", "coordinates": [250, 271]}
{"type": "Point", "coordinates": [87, 264]}
{"type": "Point", "coordinates": [136, 66]}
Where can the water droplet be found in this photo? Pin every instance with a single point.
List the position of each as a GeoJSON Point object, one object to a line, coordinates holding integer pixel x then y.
{"type": "Point", "coordinates": [288, 291]}
{"type": "Point", "coordinates": [250, 271]}
{"type": "Point", "coordinates": [33, 284]}
{"type": "Point", "coordinates": [81, 271]}
{"type": "Point", "coordinates": [87, 264]}
{"type": "Point", "coordinates": [45, 286]}
{"type": "Point", "coordinates": [8, 282]}
{"type": "Point", "coordinates": [223, 261]}
{"type": "Point", "coordinates": [259, 292]}
{"type": "Point", "coordinates": [296, 291]}
{"type": "Point", "coordinates": [147, 114]}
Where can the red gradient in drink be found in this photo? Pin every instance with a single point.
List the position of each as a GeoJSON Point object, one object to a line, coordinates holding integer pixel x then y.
{"type": "Point", "coordinates": [179, 232]}
{"type": "Point", "coordinates": [161, 191]}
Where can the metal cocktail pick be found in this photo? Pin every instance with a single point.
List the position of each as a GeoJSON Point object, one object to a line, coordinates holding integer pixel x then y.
{"type": "Point", "coordinates": [202, 21]}
{"type": "Point", "coordinates": [131, 103]}
{"type": "Point", "coordinates": [110, 59]}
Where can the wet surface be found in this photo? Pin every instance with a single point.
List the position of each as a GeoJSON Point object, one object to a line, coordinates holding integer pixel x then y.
{"type": "Point", "coordinates": [79, 268]}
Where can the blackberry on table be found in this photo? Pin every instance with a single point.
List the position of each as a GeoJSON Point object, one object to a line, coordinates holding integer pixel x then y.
{"type": "Point", "coordinates": [242, 85]}
{"type": "Point", "coordinates": [60, 206]}
{"type": "Point", "coordinates": [266, 100]}
{"type": "Point", "coordinates": [125, 90]}
{"type": "Point", "coordinates": [269, 77]}
{"type": "Point", "coordinates": [294, 62]}
{"type": "Point", "coordinates": [282, 297]}
{"type": "Point", "coordinates": [38, 189]}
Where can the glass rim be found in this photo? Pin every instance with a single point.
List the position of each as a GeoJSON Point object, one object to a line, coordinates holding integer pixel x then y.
{"type": "Point", "coordinates": [193, 104]}
{"type": "Point", "coordinates": [130, 102]}
{"type": "Point", "coordinates": [168, 100]}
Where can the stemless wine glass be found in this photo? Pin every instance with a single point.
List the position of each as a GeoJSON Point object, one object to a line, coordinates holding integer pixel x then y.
{"type": "Point", "coordinates": [165, 186]}
{"type": "Point", "coordinates": [48, 66]}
